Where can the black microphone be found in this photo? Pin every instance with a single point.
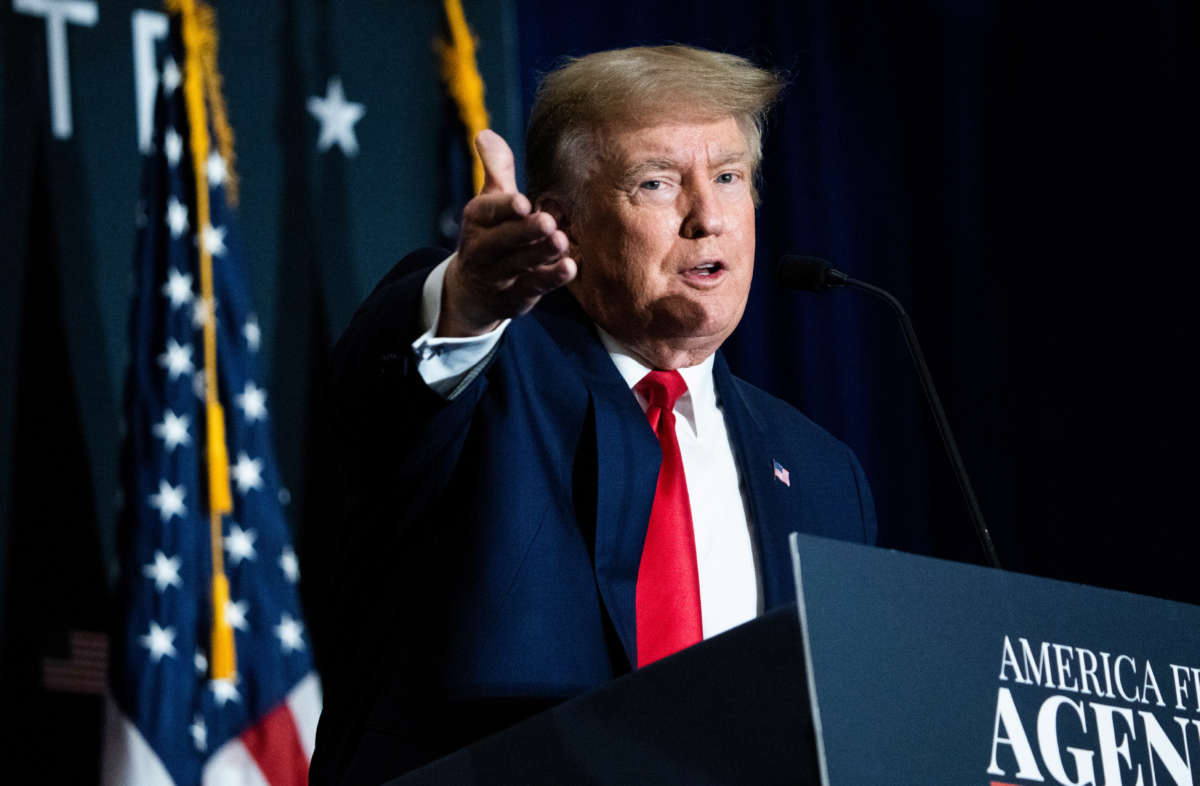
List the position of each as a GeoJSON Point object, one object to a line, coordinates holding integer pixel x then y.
{"type": "Point", "coordinates": [808, 274]}
{"type": "Point", "coordinates": [813, 274]}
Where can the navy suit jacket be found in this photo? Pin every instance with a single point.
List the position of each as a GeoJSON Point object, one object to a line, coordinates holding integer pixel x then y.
{"type": "Point", "coordinates": [490, 542]}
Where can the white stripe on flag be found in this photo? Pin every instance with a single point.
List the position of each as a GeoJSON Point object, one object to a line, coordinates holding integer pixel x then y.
{"type": "Point", "coordinates": [305, 703]}
{"type": "Point", "coordinates": [232, 765]}
{"type": "Point", "coordinates": [128, 758]}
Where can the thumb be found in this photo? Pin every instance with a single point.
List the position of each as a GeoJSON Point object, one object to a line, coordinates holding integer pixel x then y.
{"type": "Point", "coordinates": [499, 171]}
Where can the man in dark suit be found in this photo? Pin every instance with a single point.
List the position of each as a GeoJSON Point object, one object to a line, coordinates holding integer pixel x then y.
{"type": "Point", "coordinates": [552, 476]}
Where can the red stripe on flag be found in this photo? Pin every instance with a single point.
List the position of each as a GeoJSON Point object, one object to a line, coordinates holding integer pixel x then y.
{"type": "Point", "coordinates": [274, 743]}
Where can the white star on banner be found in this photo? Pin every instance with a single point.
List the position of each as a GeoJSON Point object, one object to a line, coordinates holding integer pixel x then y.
{"type": "Point", "coordinates": [173, 430]}
{"type": "Point", "coordinates": [224, 691]}
{"type": "Point", "coordinates": [177, 360]}
{"type": "Point", "coordinates": [199, 733]}
{"type": "Point", "coordinates": [337, 117]}
{"type": "Point", "coordinates": [289, 564]}
{"type": "Point", "coordinates": [235, 613]}
{"type": "Point", "coordinates": [215, 169]}
{"type": "Point", "coordinates": [247, 473]}
{"type": "Point", "coordinates": [240, 544]}
{"type": "Point", "coordinates": [160, 642]}
{"type": "Point", "coordinates": [178, 288]}
{"type": "Point", "coordinates": [177, 219]}
{"type": "Point", "coordinates": [213, 239]}
{"type": "Point", "coordinates": [169, 500]}
{"type": "Point", "coordinates": [251, 333]}
{"type": "Point", "coordinates": [164, 571]}
{"type": "Point", "coordinates": [172, 146]}
{"type": "Point", "coordinates": [170, 76]}
{"type": "Point", "coordinates": [252, 401]}
{"type": "Point", "coordinates": [289, 632]}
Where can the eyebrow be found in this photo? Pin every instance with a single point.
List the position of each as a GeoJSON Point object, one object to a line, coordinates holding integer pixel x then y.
{"type": "Point", "coordinates": [655, 164]}
{"type": "Point", "coordinates": [647, 165]}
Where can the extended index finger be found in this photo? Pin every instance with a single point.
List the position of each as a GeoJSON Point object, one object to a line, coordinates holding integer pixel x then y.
{"type": "Point", "coordinates": [499, 171]}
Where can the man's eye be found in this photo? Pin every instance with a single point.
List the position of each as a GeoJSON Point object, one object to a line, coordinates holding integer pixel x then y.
{"type": "Point", "coordinates": [726, 177]}
{"type": "Point", "coordinates": [651, 185]}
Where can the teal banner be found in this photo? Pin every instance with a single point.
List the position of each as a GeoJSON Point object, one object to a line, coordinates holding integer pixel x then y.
{"type": "Point", "coordinates": [930, 672]}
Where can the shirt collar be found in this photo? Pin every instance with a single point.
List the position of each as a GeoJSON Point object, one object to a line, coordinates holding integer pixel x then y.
{"type": "Point", "coordinates": [700, 397]}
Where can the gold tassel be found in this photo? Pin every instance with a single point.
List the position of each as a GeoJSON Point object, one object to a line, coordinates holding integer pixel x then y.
{"type": "Point", "coordinates": [223, 655]}
{"type": "Point", "coordinates": [464, 82]}
{"type": "Point", "coordinates": [201, 80]}
{"type": "Point", "coordinates": [220, 497]}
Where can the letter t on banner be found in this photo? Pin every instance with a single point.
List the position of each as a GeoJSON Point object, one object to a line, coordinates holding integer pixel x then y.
{"type": "Point", "coordinates": [57, 14]}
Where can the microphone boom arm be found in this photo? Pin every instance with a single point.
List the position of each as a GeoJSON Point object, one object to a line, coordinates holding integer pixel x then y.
{"type": "Point", "coordinates": [837, 278]}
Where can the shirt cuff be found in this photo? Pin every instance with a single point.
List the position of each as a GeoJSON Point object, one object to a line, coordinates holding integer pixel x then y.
{"type": "Point", "coordinates": [443, 362]}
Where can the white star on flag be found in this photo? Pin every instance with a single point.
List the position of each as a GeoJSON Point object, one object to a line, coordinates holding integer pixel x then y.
{"type": "Point", "coordinates": [177, 217]}
{"type": "Point", "coordinates": [178, 288]}
{"type": "Point", "coordinates": [200, 662]}
{"type": "Point", "coordinates": [251, 333]}
{"type": "Point", "coordinates": [213, 239]}
{"type": "Point", "coordinates": [199, 733]}
{"type": "Point", "coordinates": [289, 564]}
{"type": "Point", "coordinates": [224, 691]}
{"type": "Point", "coordinates": [235, 613]}
{"type": "Point", "coordinates": [177, 360]}
{"type": "Point", "coordinates": [198, 383]}
{"type": "Point", "coordinates": [172, 146]}
{"type": "Point", "coordinates": [160, 642]}
{"type": "Point", "coordinates": [201, 311]}
{"type": "Point", "coordinates": [337, 117]}
{"type": "Point", "coordinates": [170, 76]}
{"type": "Point", "coordinates": [173, 430]}
{"type": "Point", "coordinates": [214, 168]}
{"type": "Point", "coordinates": [289, 632]}
{"type": "Point", "coordinates": [169, 500]}
{"type": "Point", "coordinates": [252, 401]}
{"type": "Point", "coordinates": [164, 571]}
{"type": "Point", "coordinates": [247, 473]}
{"type": "Point", "coordinates": [240, 544]}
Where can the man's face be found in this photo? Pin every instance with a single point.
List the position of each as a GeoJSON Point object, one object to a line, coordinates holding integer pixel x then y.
{"type": "Point", "coordinates": [663, 233]}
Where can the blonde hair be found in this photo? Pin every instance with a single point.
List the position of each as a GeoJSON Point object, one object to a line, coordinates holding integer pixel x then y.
{"type": "Point", "coordinates": [637, 87]}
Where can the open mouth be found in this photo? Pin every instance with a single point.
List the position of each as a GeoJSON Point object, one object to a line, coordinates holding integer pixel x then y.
{"type": "Point", "coordinates": [705, 270]}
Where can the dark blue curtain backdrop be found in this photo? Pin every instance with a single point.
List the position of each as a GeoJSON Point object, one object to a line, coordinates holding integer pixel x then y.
{"type": "Point", "coordinates": [1014, 174]}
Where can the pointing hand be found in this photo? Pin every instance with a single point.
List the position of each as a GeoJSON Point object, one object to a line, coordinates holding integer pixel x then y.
{"type": "Point", "coordinates": [508, 255]}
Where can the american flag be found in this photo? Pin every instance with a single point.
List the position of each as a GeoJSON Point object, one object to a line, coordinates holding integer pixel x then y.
{"type": "Point", "coordinates": [168, 721]}
{"type": "Point", "coordinates": [782, 475]}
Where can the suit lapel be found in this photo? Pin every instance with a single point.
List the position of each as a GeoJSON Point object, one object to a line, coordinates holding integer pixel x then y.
{"type": "Point", "coordinates": [627, 461]}
{"type": "Point", "coordinates": [771, 504]}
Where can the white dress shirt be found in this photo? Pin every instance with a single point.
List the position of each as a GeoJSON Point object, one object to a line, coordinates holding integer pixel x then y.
{"type": "Point", "coordinates": [729, 585]}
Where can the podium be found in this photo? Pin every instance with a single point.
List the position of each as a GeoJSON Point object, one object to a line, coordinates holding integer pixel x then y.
{"type": "Point", "coordinates": [891, 668]}
{"type": "Point", "coordinates": [733, 709]}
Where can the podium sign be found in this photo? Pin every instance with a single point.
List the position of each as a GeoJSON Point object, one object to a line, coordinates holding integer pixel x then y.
{"type": "Point", "coordinates": [929, 672]}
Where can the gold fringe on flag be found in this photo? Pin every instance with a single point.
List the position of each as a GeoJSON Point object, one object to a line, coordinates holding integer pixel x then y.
{"type": "Point", "coordinates": [461, 73]}
{"type": "Point", "coordinates": [201, 80]}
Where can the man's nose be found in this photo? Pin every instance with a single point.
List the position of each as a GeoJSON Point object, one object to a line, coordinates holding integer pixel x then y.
{"type": "Point", "coordinates": [705, 214]}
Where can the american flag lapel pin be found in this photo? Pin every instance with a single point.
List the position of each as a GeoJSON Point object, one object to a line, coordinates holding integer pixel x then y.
{"type": "Point", "coordinates": [782, 475]}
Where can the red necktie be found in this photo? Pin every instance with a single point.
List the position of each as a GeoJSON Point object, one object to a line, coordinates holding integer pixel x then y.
{"type": "Point", "coordinates": [668, 583]}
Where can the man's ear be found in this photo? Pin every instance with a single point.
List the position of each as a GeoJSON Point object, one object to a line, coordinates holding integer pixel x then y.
{"type": "Point", "coordinates": [557, 208]}
{"type": "Point", "coordinates": [564, 213]}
